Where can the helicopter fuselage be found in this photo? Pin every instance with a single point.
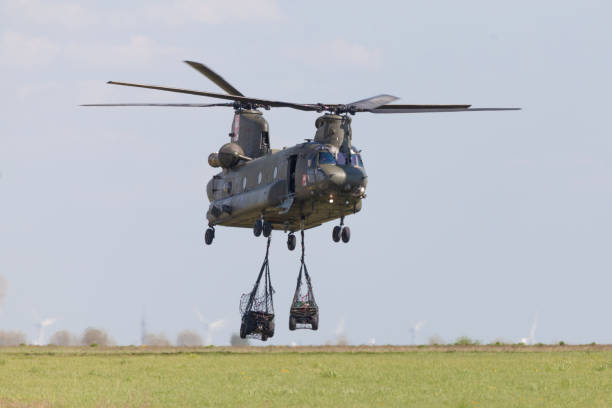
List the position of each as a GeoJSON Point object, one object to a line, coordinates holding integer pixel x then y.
{"type": "Point", "coordinates": [298, 187]}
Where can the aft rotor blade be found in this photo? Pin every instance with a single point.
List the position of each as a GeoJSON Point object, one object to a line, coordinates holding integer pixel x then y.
{"type": "Point", "coordinates": [372, 103]}
{"type": "Point", "coordinates": [213, 76]}
{"type": "Point", "coordinates": [263, 102]}
{"type": "Point", "coordinates": [178, 105]}
{"type": "Point", "coordinates": [432, 108]}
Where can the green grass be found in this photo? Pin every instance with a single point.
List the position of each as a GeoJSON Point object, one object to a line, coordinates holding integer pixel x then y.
{"type": "Point", "coordinates": [81, 377]}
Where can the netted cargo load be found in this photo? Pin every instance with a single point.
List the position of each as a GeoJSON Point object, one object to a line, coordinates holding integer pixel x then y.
{"type": "Point", "coordinates": [257, 306]}
{"type": "Point", "coordinates": [304, 313]}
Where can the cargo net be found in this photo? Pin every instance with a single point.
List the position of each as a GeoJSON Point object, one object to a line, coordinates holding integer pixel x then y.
{"type": "Point", "coordinates": [304, 306]}
{"type": "Point", "coordinates": [257, 306]}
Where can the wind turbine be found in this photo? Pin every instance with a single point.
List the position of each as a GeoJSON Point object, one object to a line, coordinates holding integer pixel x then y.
{"type": "Point", "coordinates": [42, 325]}
{"type": "Point", "coordinates": [3, 286]}
{"type": "Point", "coordinates": [531, 339]}
{"type": "Point", "coordinates": [341, 339]}
{"type": "Point", "coordinates": [210, 326]}
{"type": "Point", "coordinates": [414, 330]}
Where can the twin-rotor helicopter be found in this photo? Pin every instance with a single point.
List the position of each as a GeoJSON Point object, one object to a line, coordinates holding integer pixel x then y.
{"type": "Point", "coordinates": [292, 189]}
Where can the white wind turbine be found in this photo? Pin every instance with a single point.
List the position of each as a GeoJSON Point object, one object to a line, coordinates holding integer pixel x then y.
{"type": "Point", "coordinates": [531, 339]}
{"type": "Point", "coordinates": [42, 325]}
{"type": "Point", "coordinates": [210, 326]}
{"type": "Point", "coordinates": [414, 330]}
{"type": "Point", "coordinates": [341, 339]}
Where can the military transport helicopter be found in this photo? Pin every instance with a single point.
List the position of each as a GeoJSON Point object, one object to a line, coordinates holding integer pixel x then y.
{"type": "Point", "coordinates": [301, 187]}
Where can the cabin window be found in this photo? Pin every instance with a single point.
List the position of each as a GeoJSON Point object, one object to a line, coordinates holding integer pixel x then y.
{"type": "Point", "coordinates": [275, 172]}
{"type": "Point", "coordinates": [326, 158]}
{"type": "Point", "coordinates": [265, 140]}
{"type": "Point", "coordinates": [244, 184]}
{"type": "Point", "coordinates": [341, 159]}
{"type": "Point", "coordinates": [228, 187]}
{"type": "Point", "coordinates": [259, 178]}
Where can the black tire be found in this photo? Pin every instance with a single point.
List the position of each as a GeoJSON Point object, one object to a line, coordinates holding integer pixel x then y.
{"type": "Point", "coordinates": [267, 229]}
{"type": "Point", "coordinates": [257, 228]}
{"type": "Point", "coordinates": [336, 233]}
{"type": "Point", "coordinates": [209, 236]}
{"type": "Point", "coordinates": [264, 337]}
{"type": "Point", "coordinates": [292, 323]}
{"type": "Point", "coordinates": [291, 242]}
{"type": "Point", "coordinates": [271, 327]}
{"type": "Point", "coordinates": [243, 332]}
{"type": "Point", "coordinates": [346, 234]}
{"type": "Point", "coordinates": [314, 322]}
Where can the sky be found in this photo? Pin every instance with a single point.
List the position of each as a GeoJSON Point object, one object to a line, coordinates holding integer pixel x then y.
{"type": "Point", "coordinates": [475, 223]}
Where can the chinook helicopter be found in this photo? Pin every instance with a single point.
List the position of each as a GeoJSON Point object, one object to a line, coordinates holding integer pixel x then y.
{"type": "Point", "coordinates": [296, 188]}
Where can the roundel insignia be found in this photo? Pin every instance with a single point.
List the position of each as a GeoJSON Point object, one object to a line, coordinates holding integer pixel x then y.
{"type": "Point", "coordinates": [303, 179]}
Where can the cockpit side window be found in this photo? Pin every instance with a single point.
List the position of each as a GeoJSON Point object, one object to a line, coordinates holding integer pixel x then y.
{"type": "Point", "coordinates": [356, 160]}
{"type": "Point", "coordinates": [326, 157]}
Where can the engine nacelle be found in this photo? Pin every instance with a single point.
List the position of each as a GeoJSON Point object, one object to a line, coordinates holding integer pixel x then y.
{"type": "Point", "coordinates": [229, 155]}
{"type": "Point", "coordinates": [213, 160]}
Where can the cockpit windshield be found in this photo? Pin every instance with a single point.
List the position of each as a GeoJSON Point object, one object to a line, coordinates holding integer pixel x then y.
{"type": "Point", "coordinates": [356, 160]}
{"type": "Point", "coordinates": [326, 157]}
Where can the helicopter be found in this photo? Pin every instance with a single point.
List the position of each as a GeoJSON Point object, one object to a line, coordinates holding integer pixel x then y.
{"type": "Point", "coordinates": [291, 189]}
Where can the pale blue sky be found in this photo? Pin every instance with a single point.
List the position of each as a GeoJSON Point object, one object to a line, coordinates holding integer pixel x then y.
{"type": "Point", "coordinates": [474, 222]}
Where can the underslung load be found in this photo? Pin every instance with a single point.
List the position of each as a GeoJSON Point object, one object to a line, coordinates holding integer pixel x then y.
{"type": "Point", "coordinates": [257, 306]}
{"type": "Point", "coordinates": [304, 310]}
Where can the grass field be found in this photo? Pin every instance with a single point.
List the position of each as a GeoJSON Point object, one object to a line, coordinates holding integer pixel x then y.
{"type": "Point", "coordinates": [482, 376]}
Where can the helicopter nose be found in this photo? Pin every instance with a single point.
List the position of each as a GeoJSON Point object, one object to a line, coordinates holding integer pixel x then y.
{"type": "Point", "coordinates": [356, 179]}
{"type": "Point", "coordinates": [346, 178]}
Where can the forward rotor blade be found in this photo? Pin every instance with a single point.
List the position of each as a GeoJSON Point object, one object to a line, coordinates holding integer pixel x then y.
{"type": "Point", "coordinates": [433, 108]}
{"type": "Point", "coordinates": [263, 102]}
{"type": "Point", "coordinates": [213, 76]}
{"type": "Point", "coordinates": [372, 103]}
{"type": "Point", "coordinates": [180, 105]}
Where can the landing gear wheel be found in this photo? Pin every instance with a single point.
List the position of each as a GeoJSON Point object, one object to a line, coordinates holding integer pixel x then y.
{"type": "Point", "coordinates": [267, 229]}
{"type": "Point", "coordinates": [209, 236]}
{"type": "Point", "coordinates": [271, 327]}
{"type": "Point", "coordinates": [346, 234]}
{"type": "Point", "coordinates": [243, 331]}
{"type": "Point", "coordinates": [314, 322]}
{"type": "Point", "coordinates": [292, 323]}
{"type": "Point", "coordinates": [291, 242]}
{"type": "Point", "coordinates": [257, 228]}
{"type": "Point", "coordinates": [264, 337]}
{"type": "Point", "coordinates": [336, 233]}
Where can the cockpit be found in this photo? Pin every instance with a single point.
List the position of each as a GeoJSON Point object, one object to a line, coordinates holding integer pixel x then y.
{"type": "Point", "coordinates": [326, 157]}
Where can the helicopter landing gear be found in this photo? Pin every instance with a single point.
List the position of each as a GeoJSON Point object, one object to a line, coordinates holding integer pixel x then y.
{"type": "Point", "coordinates": [341, 232]}
{"type": "Point", "coordinates": [336, 233]}
{"type": "Point", "coordinates": [257, 228]}
{"type": "Point", "coordinates": [262, 226]}
{"type": "Point", "coordinates": [267, 229]}
{"type": "Point", "coordinates": [346, 234]}
{"type": "Point", "coordinates": [209, 236]}
{"type": "Point", "coordinates": [291, 241]}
